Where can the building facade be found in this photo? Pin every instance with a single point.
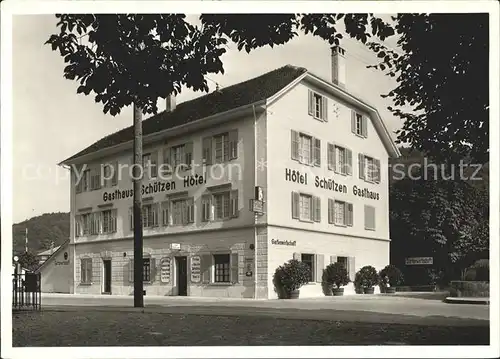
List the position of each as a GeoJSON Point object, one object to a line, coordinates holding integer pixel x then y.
{"type": "Point", "coordinates": [305, 147]}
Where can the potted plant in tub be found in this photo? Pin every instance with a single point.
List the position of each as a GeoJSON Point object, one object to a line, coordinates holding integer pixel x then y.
{"type": "Point", "coordinates": [335, 276]}
{"type": "Point", "coordinates": [390, 277]}
{"type": "Point", "coordinates": [289, 277]}
{"type": "Point", "coordinates": [367, 278]}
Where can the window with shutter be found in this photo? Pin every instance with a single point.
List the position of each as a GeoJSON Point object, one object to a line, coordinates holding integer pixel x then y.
{"type": "Point", "coordinates": [331, 211]}
{"type": "Point", "coordinates": [153, 166]}
{"type": "Point", "coordinates": [295, 205]}
{"type": "Point", "coordinates": [167, 162]}
{"type": "Point", "coordinates": [317, 209]}
{"type": "Point", "coordinates": [190, 210]}
{"type": "Point", "coordinates": [331, 156]}
{"type": "Point", "coordinates": [310, 103]}
{"type": "Point", "coordinates": [207, 150]}
{"type": "Point", "coordinates": [306, 209]}
{"type": "Point", "coordinates": [340, 216]}
{"type": "Point", "coordinates": [305, 149]}
{"type": "Point", "coordinates": [348, 162]}
{"type": "Point", "coordinates": [376, 171]}
{"type": "Point", "coordinates": [233, 144]}
{"type": "Point", "coordinates": [86, 270]}
{"type": "Point", "coordinates": [234, 204]}
{"type": "Point", "coordinates": [115, 174]}
{"type": "Point", "coordinates": [205, 208]}
{"type": "Point", "coordinates": [317, 152]}
{"type": "Point", "coordinates": [165, 211]}
{"type": "Point", "coordinates": [188, 155]}
{"type": "Point", "coordinates": [361, 166]}
{"type": "Point", "coordinates": [295, 145]}
{"type": "Point", "coordinates": [364, 126]}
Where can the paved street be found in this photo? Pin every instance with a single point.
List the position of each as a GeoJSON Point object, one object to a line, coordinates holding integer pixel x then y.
{"type": "Point", "coordinates": [376, 308]}
{"type": "Point", "coordinates": [68, 320]}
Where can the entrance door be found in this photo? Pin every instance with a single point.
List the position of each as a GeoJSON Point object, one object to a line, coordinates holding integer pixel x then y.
{"type": "Point", "coordinates": [181, 265]}
{"type": "Point", "coordinates": [107, 276]}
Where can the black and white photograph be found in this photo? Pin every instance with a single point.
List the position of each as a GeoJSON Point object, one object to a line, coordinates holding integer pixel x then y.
{"type": "Point", "coordinates": [244, 179]}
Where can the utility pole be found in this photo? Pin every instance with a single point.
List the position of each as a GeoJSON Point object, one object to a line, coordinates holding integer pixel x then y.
{"type": "Point", "coordinates": [138, 240]}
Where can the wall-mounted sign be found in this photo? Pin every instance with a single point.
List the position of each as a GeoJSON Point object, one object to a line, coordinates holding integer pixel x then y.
{"type": "Point", "coordinates": [256, 206]}
{"type": "Point", "coordinates": [419, 261]}
{"type": "Point", "coordinates": [165, 270]}
{"type": "Point", "coordinates": [249, 261]}
{"type": "Point", "coordinates": [329, 184]}
{"type": "Point", "coordinates": [195, 269]}
{"type": "Point", "coordinates": [259, 193]}
{"type": "Point", "coordinates": [283, 243]}
{"type": "Point", "coordinates": [155, 187]}
{"type": "Point", "coordinates": [175, 246]}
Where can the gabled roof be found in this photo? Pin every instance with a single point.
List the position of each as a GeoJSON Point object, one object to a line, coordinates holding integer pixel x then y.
{"type": "Point", "coordinates": [53, 255]}
{"type": "Point", "coordinates": [226, 99]}
{"type": "Point", "coordinates": [48, 252]}
{"type": "Point", "coordinates": [263, 88]}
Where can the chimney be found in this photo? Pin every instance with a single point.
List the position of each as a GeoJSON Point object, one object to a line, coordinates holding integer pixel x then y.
{"type": "Point", "coordinates": [170, 103]}
{"type": "Point", "coordinates": [338, 66]}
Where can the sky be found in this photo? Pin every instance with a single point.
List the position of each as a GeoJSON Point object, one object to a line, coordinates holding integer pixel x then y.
{"type": "Point", "coordinates": [51, 122]}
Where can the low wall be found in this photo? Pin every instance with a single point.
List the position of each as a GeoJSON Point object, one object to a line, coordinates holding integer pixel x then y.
{"type": "Point", "coordinates": [469, 289]}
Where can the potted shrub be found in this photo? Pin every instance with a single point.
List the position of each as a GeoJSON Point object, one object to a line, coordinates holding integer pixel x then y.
{"type": "Point", "coordinates": [335, 276]}
{"type": "Point", "coordinates": [390, 277]}
{"type": "Point", "coordinates": [367, 278]}
{"type": "Point", "coordinates": [289, 277]}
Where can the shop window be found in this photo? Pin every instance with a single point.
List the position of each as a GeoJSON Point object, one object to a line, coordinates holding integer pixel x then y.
{"type": "Point", "coordinates": [222, 268]}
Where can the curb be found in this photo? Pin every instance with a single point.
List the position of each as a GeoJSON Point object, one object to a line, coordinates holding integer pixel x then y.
{"type": "Point", "coordinates": [458, 300]}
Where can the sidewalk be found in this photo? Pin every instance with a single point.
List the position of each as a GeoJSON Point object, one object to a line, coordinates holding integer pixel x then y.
{"type": "Point", "coordinates": [366, 308]}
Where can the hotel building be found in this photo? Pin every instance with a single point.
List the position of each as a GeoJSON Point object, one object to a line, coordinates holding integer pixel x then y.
{"type": "Point", "coordinates": [310, 155]}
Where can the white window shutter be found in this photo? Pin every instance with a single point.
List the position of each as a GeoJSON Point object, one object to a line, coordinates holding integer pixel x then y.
{"type": "Point", "coordinates": [317, 152]}
{"type": "Point", "coordinates": [353, 121]}
{"type": "Point", "coordinates": [234, 268]}
{"type": "Point", "coordinates": [333, 259]}
{"type": "Point", "coordinates": [188, 153]}
{"type": "Point", "coordinates": [377, 170]}
{"type": "Point", "coordinates": [233, 144]}
{"type": "Point", "coordinates": [295, 205]}
{"type": "Point", "coordinates": [348, 161]}
{"type": "Point", "coordinates": [350, 214]}
{"type": "Point", "coordinates": [330, 155]}
{"type": "Point", "coordinates": [361, 166]}
{"type": "Point", "coordinates": [319, 265]}
{"type": "Point", "coordinates": [234, 204]}
{"type": "Point", "coordinates": [364, 126]}
{"type": "Point", "coordinates": [317, 210]}
{"type": "Point", "coordinates": [207, 150]}
{"type": "Point", "coordinates": [331, 205]}
{"type": "Point", "coordinates": [310, 103]}
{"type": "Point", "coordinates": [297, 256]}
{"type": "Point", "coordinates": [324, 108]}
{"type": "Point", "coordinates": [167, 160]}
{"type": "Point", "coordinates": [335, 159]}
{"type": "Point", "coordinates": [295, 145]}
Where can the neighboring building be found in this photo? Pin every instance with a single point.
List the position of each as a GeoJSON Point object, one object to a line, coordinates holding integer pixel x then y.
{"type": "Point", "coordinates": [57, 271]}
{"type": "Point", "coordinates": [44, 255]}
{"type": "Point", "coordinates": [317, 155]}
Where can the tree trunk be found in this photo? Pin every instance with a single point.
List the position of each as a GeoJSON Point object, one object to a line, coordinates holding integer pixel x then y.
{"type": "Point", "coordinates": [137, 217]}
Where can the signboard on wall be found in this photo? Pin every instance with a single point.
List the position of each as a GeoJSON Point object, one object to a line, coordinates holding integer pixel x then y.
{"type": "Point", "coordinates": [165, 270]}
{"type": "Point", "coordinates": [249, 266]}
{"type": "Point", "coordinates": [195, 269]}
{"type": "Point", "coordinates": [419, 261]}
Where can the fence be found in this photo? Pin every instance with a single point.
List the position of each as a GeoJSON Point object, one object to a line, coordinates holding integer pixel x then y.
{"type": "Point", "coordinates": [26, 291]}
